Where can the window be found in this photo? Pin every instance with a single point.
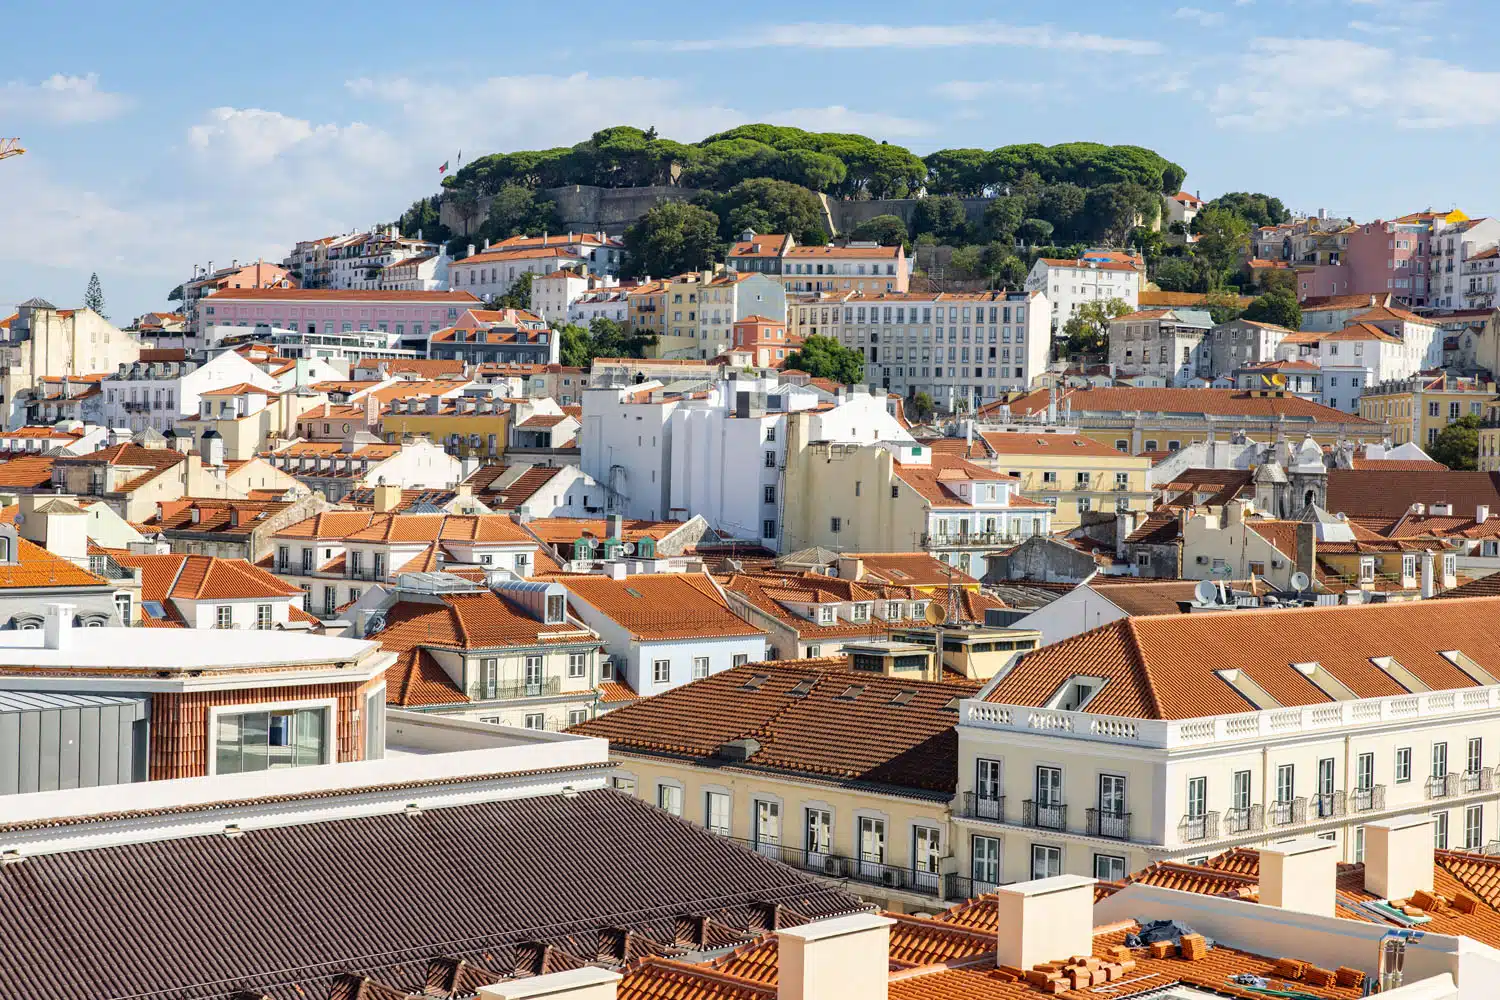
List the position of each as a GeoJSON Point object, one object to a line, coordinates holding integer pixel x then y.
{"type": "Point", "coordinates": [768, 529]}
{"type": "Point", "coordinates": [1286, 782]}
{"type": "Point", "coordinates": [1474, 827]}
{"type": "Point", "coordinates": [1197, 797]}
{"type": "Point", "coordinates": [1359, 844]}
{"type": "Point", "coordinates": [283, 558]}
{"type": "Point", "coordinates": [577, 663]}
{"type": "Point", "coordinates": [661, 671]}
{"type": "Point", "coordinates": [716, 812]}
{"type": "Point", "coordinates": [835, 524]}
{"type": "Point", "coordinates": [926, 849]}
{"type": "Point", "coordinates": [1046, 861]}
{"type": "Point", "coordinates": [700, 667]}
{"type": "Point", "coordinates": [623, 783]}
{"type": "Point", "coordinates": [577, 716]}
{"type": "Point", "coordinates": [557, 605]}
{"type": "Point", "coordinates": [1109, 866]}
{"type": "Point", "coordinates": [1364, 772]}
{"type": "Point", "coordinates": [262, 616]}
{"type": "Point", "coordinates": [1403, 765]}
{"type": "Point", "coordinates": [1239, 790]}
{"type": "Point", "coordinates": [1440, 830]}
{"type": "Point", "coordinates": [669, 799]}
{"type": "Point", "coordinates": [224, 616]}
{"type": "Point", "coordinates": [278, 738]}
{"type": "Point", "coordinates": [739, 659]}
{"type": "Point", "coordinates": [769, 494]}
{"type": "Point", "coordinates": [536, 720]}
{"type": "Point", "coordinates": [984, 866]}
{"type": "Point", "coordinates": [1122, 480]}
{"type": "Point", "coordinates": [1049, 786]}
{"type": "Point", "coordinates": [817, 834]}
{"type": "Point", "coordinates": [871, 842]}
{"type": "Point", "coordinates": [1439, 760]}
{"type": "Point", "coordinates": [489, 676]}
{"type": "Point", "coordinates": [1476, 755]}
{"type": "Point", "coordinates": [770, 460]}
{"type": "Point", "coordinates": [767, 822]}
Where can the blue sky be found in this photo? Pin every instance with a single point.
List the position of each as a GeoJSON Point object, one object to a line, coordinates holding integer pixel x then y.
{"type": "Point", "coordinates": [163, 135]}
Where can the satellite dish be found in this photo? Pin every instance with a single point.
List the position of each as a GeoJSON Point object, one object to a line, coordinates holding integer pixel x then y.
{"type": "Point", "coordinates": [1300, 581]}
{"type": "Point", "coordinates": [934, 614]}
{"type": "Point", "coordinates": [628, 548]}
{"type": "Point", "coordinates": [1205, 592]}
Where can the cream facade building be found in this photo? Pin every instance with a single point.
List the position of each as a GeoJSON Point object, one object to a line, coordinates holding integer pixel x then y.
{"type": "Point", "coordinates": [41, 340]}
{"type": "Point", "coordinates": [1176, 737]}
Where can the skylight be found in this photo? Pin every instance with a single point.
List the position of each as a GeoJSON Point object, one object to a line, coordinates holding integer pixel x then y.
{"type": "Point", "coordinates": [802, 688]}
{"type": "Point", "coordinates": [850, 693]}
{"type": "Point", "coordinates": [904, 696]}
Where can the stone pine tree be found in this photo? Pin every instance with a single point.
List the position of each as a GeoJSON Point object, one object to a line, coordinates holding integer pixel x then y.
{"type": "Point", "coordinates": [93, 298]}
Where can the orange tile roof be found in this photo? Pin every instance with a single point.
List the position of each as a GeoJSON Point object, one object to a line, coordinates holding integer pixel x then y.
{"type": "Point", "coordinates": [1219, 402]}
{"type": "Point", "coordinates": [1163, 667]}
{"type": "Point", "coordinates": [1362, 331]}
{"type": "Point", "coordinates": [36, 567]}
{"type": "Point", "coordinates": [1102, 265]}
{"type": "Point", "coordinates": [835, 725]}
{"type": "Point", "coordinates": [657, 606]}
{"type": "Point", "coordinates": [1048, 444]}
{"type": "Point", "coordinates": [173, 576]}
{"type": "Point", "coordinates": [912, 569]}
{"type": "Point", "coordinates": [239, 389]}
{"type": "Point", "coordinates": [32, 471]}
{"type": "Point", "coordinates": [559, 530]}
{"type": "Point", "coordinates": [498, 255]}
{"type": "Point", "coordinates": [1318, 303]}
{"type": "Point", "coordinates": [936, 482]}
{"type": "Point", "coordinates": [1391, 493]}
{"type": "Point", "coordinates": [763, 245]}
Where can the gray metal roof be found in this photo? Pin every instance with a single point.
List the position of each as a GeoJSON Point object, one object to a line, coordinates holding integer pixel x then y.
{"type": "Point", "coordinates": [40, 701]}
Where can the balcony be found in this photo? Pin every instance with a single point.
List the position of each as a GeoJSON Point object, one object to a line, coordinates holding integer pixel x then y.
{"type": "Point", "coordinates": [1442, 786]}
{"type": "Point", "coordinates": [1108, 823]}
{"type": "Point", "coordinates": [516, 689]}
{"type": "Point", "coordinates": [1289, 813]}
{"type": "Point", "coordinates": [967, 539]}
{"type": "Point", "coordinates": [1203, 827]}
{"type": "Point", "coordinates": [1328, 805]}
{"type": "Point", "coordinates": [1249, 819]}
{"type": "Point", "coordinates": [1482, 780]}
{"type": "Point", "coordinates": [364, 573]}
{"type": "Point", "coordinates": [975, 806]}
{"type": "Point", "coordinates": [1082, 485]}
{"type": "Point", "coordinates": [1044, 816]}
{"type": "Point", "coordinates": [963, 887]}
{"type": "Point", "coordinates": [1368, 799]}
{"type": "Point", "coordinates": [832, 865]}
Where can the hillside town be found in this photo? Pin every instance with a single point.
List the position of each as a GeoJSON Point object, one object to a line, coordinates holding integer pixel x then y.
{"type": "Point", "coordinates": [917, 600]}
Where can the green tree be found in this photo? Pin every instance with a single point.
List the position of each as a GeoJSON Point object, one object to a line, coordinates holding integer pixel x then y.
{"type": "Point", "coordinates": [519, 294]}
{"type": "Point", "coordinates": [1004, 217]}
{"type": "Point", "coordinates": [1178, 274]}
{"type": "Point", "coordinates": [920, 408]}
{"type": "Point", "coordinates": [887, 230]}
{"type": "Point", "coordinates": [1035, 232]}
{"type": "Point", "coordinates": [576, 347]}
{"type": "Point", "coordinates": [824, 357]}
{"type": "Point", "coordinates": [603, 338]}
{"type": "Point", "coordinates": [1062, 205]}
{"type": "Point", "coordinates": [941, 215]}
{"type": "Point", "coordinates": [1279, 307]}
{"type": "Point", "coordinates": [1457, 445]}
{"type": "Point", "coordinates": [424, 217]}
{"type": "Point", "coordinates": [1257, 209]}
{"type": "Point", "coordinates": [465, 202]}
{"type": "Point", "coordinates": [175, 295]}
{"type": "Point", "coordinates": [93, 296]}
{"type": "Point", "coordinates": [1223, 305]}
{"type": "Point", "coordinates": [1087, 331]}
{"type": "Point", "coordinates": [1113, 210]}
{"type": "Point", "coordinates": [963, 172]}
{"type": "Point", "coordinates": [672, 237]}
{"type": "Point", "coordinates": [1223, 238]}
{"type": "Point", "coordinates": [515, 210]}
{"type": "Point", "coordinates": [767, 205]}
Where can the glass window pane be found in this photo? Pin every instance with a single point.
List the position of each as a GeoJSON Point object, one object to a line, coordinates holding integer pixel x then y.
{"type": "Point", "coordinates": [254, 735]}
{"type": "Point", "coordinates": [227, 745]}
{"type": "Point", "coordinates": [310, 738]}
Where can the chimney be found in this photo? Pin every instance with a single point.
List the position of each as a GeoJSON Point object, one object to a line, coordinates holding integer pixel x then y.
{"type": "Point", "coordinates": [1398, 856]}
{"type": "Point", "coordinates": [1306, 560]}
{"type": "Point", "coordinates": [1429, 587]}
{"type": "Point", "coordinates": [1299, 875]}
{"type": "Point", "coordinates": [387, 498]}
{"type": "Point", "coordinates": [212, 446]}
{"type": "Point", "coordinates": [57, 631]}
{"type": "Point", "coordinates": [834, 959]}
{"type": "Point", "coordinates": [587, 983]}
{"type": "Point", "coordinates": [1044, 920]}
{"type": "Point", "coordinates": [1444, 509]}
{"type": "Point", "coordinates": [617, 527]}
{"type": "Point", "coordinates": [1124, 528]}
{"type": "Point", "coordinates": [851, 568]}
{"type": "Point", "coordinates": [618, 570]}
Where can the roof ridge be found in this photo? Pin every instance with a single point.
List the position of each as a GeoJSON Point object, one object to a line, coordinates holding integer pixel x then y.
{"type": "Point", "coordinates": [1133, 647]}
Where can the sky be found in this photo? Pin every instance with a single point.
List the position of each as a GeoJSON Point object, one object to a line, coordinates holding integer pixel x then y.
{"type": "Point", "coordinates": [163, 135]}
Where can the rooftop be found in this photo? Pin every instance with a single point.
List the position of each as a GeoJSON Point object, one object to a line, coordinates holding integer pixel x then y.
{"type": "Point", "coordinates": [179, 653]}
{"type": "Point", "coordinates": [658, 606]}
{"type": "Point", "coordinates": [1211, 402]}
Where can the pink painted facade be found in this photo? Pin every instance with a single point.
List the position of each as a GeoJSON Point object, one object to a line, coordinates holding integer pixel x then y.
{"type": "Point", "coordinates": [1377, 257]}
{"type": "Point", "coordinates": [332, 311]}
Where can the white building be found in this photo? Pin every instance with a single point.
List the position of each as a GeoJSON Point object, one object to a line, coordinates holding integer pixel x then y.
{"type": "Point", "coordinates": [362, 459]}
{"type": "Point", "coordinates": [1381, 345]}
{"type": "Point", "coordinates": [417, 274]}
{"type": "Point", "coordinates": [962, 349]}
{"type": "Point", "coordinates": [1454, 247]}
{"type": "Point", "coordinates": [1172, 344]}
{"type": "Point", "coordinates": [1097, 276]}
{"type": "Point", "coordinates": [552, 294]}
{"type": "Point", "coordinates": [158, 394]}
{"type": "Point", "coordinates": [600, 303]}
{"type": "Point", "coordinates": [493, 269]}
{"type": "Point", "coordinates": [41, 341]}
{"type": "Point", "coordinates": [359, 261]}
{"type": "Point", "coordinates": [1181, 736]}
{"type": "Point", "coordinates": [1183, 207]}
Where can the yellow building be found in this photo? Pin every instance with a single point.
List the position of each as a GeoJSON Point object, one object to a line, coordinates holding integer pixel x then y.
{"type": "Point", "coordinates": [781, 756]}
{"type": "Point", "coordinates": [646, 308]}
{"type": "Point", "coordinates": [1419, 408]}
{"type": "Point", "coordinates": [465, 426]}
{"type": "Point", "coordinates": [1072, 473]}
{"type": "Point", "coordinates": [1140, 420]}
{"type": "Point", "coordinates": [682, 304]}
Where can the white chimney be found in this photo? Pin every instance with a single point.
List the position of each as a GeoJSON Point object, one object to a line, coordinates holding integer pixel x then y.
{"type": "Point", "coordinates": [1398, 856]}
{"type": "Point", "coordinates": [1481, 513]}
{"type": "Point", "coordinates": [57, 630]}
{"type": "Point", "coordinates": [835, 959]}
{"type": "Point", "coordinates": [1443, 509]}
{"type": "Point", "coordinates": [1300, 875]}
{"type": "Point", "coordinates": [1045, 920]}
{"type": "Point", "coordinates": [1429, 586]}
{"type": "Point", "coordinates": [587, 983]}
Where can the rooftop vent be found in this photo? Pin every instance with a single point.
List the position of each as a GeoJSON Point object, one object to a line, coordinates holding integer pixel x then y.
{"type": "Point", "coordinates": [741, 749]}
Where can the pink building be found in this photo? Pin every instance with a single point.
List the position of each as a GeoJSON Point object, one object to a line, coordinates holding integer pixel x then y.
{"type": "Point", "coordinates": [412, 315]}
{"type": "Point", "coordinates": [1379, 257]}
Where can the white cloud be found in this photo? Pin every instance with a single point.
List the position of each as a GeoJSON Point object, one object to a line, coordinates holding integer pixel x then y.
{"type": "Point", "coordinates": [62, 99]}
{"type": "Point", "coordinates": [1203, 18]}
{"type": "Point", "coordinates": [1371, 28]}
{"type": "Point", "coordinates": [973, 90]}
{"type": "Point", "coordinates": [253, 137]}
{"type": "Point", "coordinates": [813, 35]}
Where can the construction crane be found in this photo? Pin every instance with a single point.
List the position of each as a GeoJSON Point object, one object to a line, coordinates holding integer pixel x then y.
{"type": "Point", "coordinates": [10, 147]}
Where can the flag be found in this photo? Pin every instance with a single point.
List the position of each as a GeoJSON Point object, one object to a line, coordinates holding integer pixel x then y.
{"type": "Point", "coordinates": [444, 168]}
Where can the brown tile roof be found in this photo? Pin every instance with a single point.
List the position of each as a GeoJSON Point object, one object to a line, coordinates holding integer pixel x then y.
{"type": "Point", "coordinates": [1180, 299]}
{"type": "Point", "coordinates": [1218, 402]}
{"type": "Point", "coordinates": [763, 245]}
{"type": "Point", "coordinates": [1162, 527]}
{"type": "Point", "coordinates": [771, 592]}
{"type": "Point", "coordinates": [171, 576]}
{"type": "Point", "coordinates": [1154, 597]}
{"type": "Point", "coordinates": [1318, 303]}
{"type": "Point", "coordinates": [1163, 667]}
{"type": "Point", "coordinates": [565, 892]}
{"type": "Point", "coordinates": [1362, 331]}
{"type": "Point", "coordinates": [517, 493]}
{"type": "Point", "coordinates": [365, 497]}
{"type": "Point", "coordinates": [658, 606]}
{"type": "Point", "coordinates": [1048, 444]}
{"type": "Point", "coordinates": [835, 725]}
{"type": "Point", "coordinates": [1391, 493]}
{"type": "Point", "coordinates": [368, 526]}
{"type": "Point", "coordinates": [555, 530]}
{"type": "Point", "coordinates": [30, 471]}
{"type": "Point", "coordinates": [912, 569]}
{"type": "Point", "coordinates": [227, 517]}
{"type": "Point", "coordinates": [1206, 487]}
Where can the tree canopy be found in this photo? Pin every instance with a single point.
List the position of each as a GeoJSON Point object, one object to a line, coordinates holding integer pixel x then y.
{"type": "Point", "coordinates": [93, 296]}
{"type": "Point", "coordinates": [1279, 307]}
{"type": "Point", "coordinates": [603, 338]}
{"type": "Point", "coordinates": [767, 205]}
{"type": "Point", "coordinates": [1223, 238]}
{"type": "Point", "coordinates": [887, 230]}
{"type": "Point", "coordinates": [671, 238]}
{"type": "Point", "coordinates": [824, 357]}
{"type": "Point", "coordinates": [1457, 445]}
{"type": "Point", "coordinates": [1257, 209]}
{"type": "Point", "coordinates": [1088, 329]}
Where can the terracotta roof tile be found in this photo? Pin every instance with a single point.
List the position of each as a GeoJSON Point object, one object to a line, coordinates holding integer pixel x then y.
{"type": "Point", "coordinates": [661, 605]}
{"type": "Point", "coordinates": [36, 567]}
{"type": "Point", "coordinates": [1391, 493]}
{"type": "Point", "coordinates": [1220, 402]}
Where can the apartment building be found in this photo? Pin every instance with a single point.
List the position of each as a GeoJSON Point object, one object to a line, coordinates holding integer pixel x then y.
{"type": "Point", "coordinates": [851, 267]}
{"type": "Point", "coordinates": [411, 316]}
{"type": "Point", "coordinates": [646, 308]}
{"type": "Point", "coordinates": [1241, 342]}
{"type": "Point", "coordinates": [42, 341]}
{"type": "Point", "coordinates": [962, 349]}
{"type": "Point", "coordinates": [700, 309]}
{"type": "Point", "coordinates": [494, 269]}
{"type": "Point", "coordinates": [207, 281]}
{"type": "Point", "coordinates": [335, 556]}
{"type": "Point", "coordinates": [770, 755]}
{"type": "Point", "coordinates": [132, 480]}
{"type": "Point", "coordinates": [509, 654]}
{"type": "Point", "coordinates": [1462, 255]}
{"type": "Point", "coordinates": [1058, 466]}
{"type": "Point", "coordinates": [159, 394]}
{"type": "Point", "coordinates": [1179, 736]}
{"type": "Point", "coordinates": [425, 273]}
{"type": "Point", "coordinates": [210, 592]}
{"type": "Point", "coordinates": [663, 630]}
{"type": "Point", "coordinates": [1097, 276]}
{"type": "Point", "coordinates": [1172, 344]}
{"type": "Point", "coordinates": [1420, 407]}
{"type": "Point", "coordinates": [496, 336]}
{"type": "Point", "coordinates": [361, 459]}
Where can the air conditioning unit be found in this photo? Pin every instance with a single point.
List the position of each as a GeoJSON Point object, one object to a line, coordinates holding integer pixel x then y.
{"type": "Point", "coordinates": [1277, 564]}
{"type": "Point", "coordinates": [890, 877]}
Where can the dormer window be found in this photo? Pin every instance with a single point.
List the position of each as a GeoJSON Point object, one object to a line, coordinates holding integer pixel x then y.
{"type": "Point", "coordinates": [1367, 569]}
{"type": "Point", "coordinates": [825, 615]}
{"type": "Point", "coordinates": [861, 612]}
{"type": "Point", "coordinates": [893, 611]}
{"type": "Point", "coordinates": [556, 608]}
{"type": "Point", "coordinates": [1076, 693]}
